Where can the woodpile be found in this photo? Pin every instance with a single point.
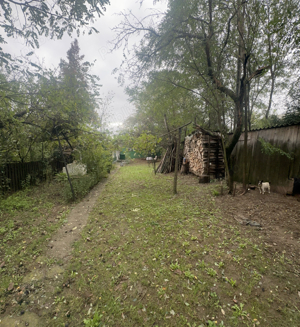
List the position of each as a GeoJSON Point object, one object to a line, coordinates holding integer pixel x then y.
{"type": "Point", "coordinates": [204, 152]}
{"type": "Point", "coordinates": [167, 163]}
{"type": "Point", "coordinates": [202, 155]}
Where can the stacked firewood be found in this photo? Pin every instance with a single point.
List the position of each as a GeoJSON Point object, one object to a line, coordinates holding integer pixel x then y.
{"type": "Point", "coordinates": [204, 153]}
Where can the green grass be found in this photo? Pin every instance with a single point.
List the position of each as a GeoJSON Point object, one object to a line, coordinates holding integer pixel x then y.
{"type": "Point", "coordinates": [149, 258]}
{"type": "Point", "coordinates": [155, 259]}
{"type": "Point", "coordinates": [28, 218]}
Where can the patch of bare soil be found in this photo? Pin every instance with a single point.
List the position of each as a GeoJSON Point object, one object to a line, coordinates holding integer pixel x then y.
{"type": "Point", "coordinates": [278, 215]}
{"type": "Point", "coordinates": [60, 246]}
{"type": "Point", "coordinates": [40, 287]}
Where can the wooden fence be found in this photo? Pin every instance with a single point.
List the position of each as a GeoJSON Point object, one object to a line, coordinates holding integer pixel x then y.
{"type": "Point", "coordinates": [276, 168]}
{"type": "Point", "coordinates": [13, 176]}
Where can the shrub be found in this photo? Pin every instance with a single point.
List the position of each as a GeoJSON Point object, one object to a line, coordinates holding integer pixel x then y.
{"type": "Point", "coordinates": [96, 155]}
{"type": "Point", "coordinates": [61, 177]}
{"type": "Point", "coordinates": [81, 186]}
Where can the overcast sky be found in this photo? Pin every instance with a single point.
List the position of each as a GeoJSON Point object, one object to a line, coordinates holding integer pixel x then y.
{"type": "Point", "coordinates": [95, 47]}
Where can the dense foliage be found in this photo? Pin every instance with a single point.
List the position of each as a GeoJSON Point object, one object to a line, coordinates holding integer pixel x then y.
{"type": "Point", "coordinates": [211, 61]}
{"type": "Point", "coordinates": [31, 19]}
{"type": "Point", "coordinates": [292, 115]}
{"type": "Point", "coordinates": [54, 112]}
{"type": "Point", "coordinates": [45, 112]}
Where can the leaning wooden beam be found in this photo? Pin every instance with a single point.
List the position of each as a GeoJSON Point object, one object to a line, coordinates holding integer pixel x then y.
{"type": "Point", "coordinates": [205, 131]}
{"type": "Point", "coordinates": [176, 129]}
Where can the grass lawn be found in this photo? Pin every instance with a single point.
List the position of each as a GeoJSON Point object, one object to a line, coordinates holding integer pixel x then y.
{"type": "Point", "coordinates": [28, 218]}
{"type": "Point", "coordinates": [149, 258]}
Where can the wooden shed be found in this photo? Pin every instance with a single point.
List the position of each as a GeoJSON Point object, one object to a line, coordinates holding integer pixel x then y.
{"type": "Point", "coordinates": [203, 150]}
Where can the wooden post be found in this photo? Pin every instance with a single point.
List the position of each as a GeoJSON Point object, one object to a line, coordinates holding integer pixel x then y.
{"type": "Point", "coordinates": [217, 159]}
{"type": "Point", "coordinates": [208, 167]}
{"type": "Point", "coordinates": [177, 162]}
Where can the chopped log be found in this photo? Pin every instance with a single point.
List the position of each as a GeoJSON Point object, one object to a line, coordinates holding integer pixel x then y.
{"type": "Point", "coordinates": [204, 179]}
{"type": "Point", "coordinates": [185, 168]}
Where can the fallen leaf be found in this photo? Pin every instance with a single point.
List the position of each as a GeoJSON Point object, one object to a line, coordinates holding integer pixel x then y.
{"type": "Point", "coordinates": [172, 312]}
{"type": "Point", "coordinates": [223, 312]}
{"type": "Point", "coordinates": [177, 271]}
{"type": "Point", "coordinates": [10, 287]}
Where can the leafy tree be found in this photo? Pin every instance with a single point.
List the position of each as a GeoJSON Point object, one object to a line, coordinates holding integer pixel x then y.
{"type": "Point", "coordinates": [146, 144]}
{"type": "Point", "coordinates": [158, 102]}
{"type": "Point", "coordinates": [55, 105]}
{"type": "Point", "coordinates": [292, 114]}
{"type": "Point", "coordinates": [31, 19]}
{"type": "Point", "coordinates": [260, 121]}
{"type": "Point", "coordinates": [81, 88]}
{"type": "Point", "coordinates": [124, 140]}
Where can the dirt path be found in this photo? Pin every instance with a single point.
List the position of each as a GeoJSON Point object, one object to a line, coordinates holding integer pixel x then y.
{"type": "Point", "coordinates": [36, 294]}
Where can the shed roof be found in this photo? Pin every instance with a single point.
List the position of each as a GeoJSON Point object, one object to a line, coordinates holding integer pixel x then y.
{"type": "Point", "coordinates": [271, 127]}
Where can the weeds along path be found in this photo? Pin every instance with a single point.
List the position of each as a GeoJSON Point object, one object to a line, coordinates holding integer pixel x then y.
{"type": "Point", "coordinates": [40, 287]}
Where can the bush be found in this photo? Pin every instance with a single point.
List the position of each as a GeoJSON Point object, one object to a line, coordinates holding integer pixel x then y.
{"type": "Point", "coordinates": [81, 186]}
{"type": "Point", "coordinates": [96, 155]}
{"type": "Point", "coordinates": [61, 177]}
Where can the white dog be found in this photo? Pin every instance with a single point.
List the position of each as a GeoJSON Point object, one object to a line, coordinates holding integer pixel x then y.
{"type": "Point", "coordinates": [263, 187]}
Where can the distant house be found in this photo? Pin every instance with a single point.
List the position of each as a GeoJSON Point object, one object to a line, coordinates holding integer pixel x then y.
{"type": "Point", "coordinates": [118, 155]}
{"type": "Point", "coordinates": [276, 168]}
{"type": "Point", "coordinates": [121, 155]}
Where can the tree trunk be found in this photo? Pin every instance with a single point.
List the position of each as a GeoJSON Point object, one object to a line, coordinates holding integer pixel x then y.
{"type": "Point", "coordinates": [245, 144]}
{"type": "Point", "coordinates": [272, 90]}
